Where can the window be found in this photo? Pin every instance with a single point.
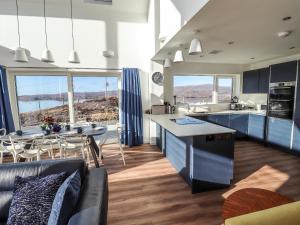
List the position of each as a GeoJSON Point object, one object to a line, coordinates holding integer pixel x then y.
{"type": "Point", "coordinates": [194, 89]}
{"type": "Point", "coordinates": [40, 96]}
{"type": "Point", "coordinates": [225, 85]}
{"type": "Point", "coordinates": [96, 98]}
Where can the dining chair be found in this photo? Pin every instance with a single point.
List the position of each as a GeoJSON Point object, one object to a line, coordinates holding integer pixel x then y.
{"type": "Point", "coordinates": [38, 147]}
{"type": "Point", "coordinates": [74, 144]}
{"type": "Point", "coordinates": [2, 132]}
{"type": "Point", "coordinates": [12, 147]}
{"type": "Point", "coordinates": [111, 135]}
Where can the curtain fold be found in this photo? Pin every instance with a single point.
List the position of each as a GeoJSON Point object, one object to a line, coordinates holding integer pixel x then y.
{"type": "Point", "coordinates": [6, 120]}
{"type": "Point", "coordinates": [131, 108]}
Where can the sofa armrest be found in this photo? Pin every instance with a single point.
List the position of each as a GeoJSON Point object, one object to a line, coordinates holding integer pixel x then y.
{"type": "Point", "coordinates": [284, 214]}
{"type": "Point", "coordinates": [93, 203]}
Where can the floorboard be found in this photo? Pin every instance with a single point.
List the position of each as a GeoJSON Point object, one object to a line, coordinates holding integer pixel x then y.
{"type": "Point", "coordinates": [148, 190]}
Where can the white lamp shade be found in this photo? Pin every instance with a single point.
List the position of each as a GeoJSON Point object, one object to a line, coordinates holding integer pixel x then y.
{"type": "Point", "coordinates": [195, 47]}
{"type": "Point", "coordinates": [74, 57]}
{"type": "Point", "coordinates": [20, 55]}
{"type": "Point", "coordinates": [47, 56]}
{"type": "Point", "coordinates": [178, 56]}
{"type": "Point", "coordinates": [168, 63]}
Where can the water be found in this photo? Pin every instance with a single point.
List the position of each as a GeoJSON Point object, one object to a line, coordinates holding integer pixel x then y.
{"type": "Point", "coordinates": [31, 106]}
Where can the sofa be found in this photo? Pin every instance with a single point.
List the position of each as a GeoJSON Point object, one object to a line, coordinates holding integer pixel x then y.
{"type": "Point", "coordinates": [92, 205]}
{"type": "Point", "coordinates": [288, 214]}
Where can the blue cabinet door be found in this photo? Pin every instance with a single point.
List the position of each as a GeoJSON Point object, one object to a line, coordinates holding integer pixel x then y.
{"type": "Point", "coordinates": [250, 82]}
{"type": "Point", "coordinates": [297, 110]}
{"type": "Point", "coordinates": [279, 132]}
{"type": "Point", "coordinates": [284, 72]}
{"type": "Point", "coordinates": [239, 122]}
{"type": "Point", "coordinates": [256, 126]}
{"type": "Point", "coordinates": [264, 77]}
{"type": "Point", "coordinates": [296, 136]}
{"type": "Point", "coordinates": [212, 118]}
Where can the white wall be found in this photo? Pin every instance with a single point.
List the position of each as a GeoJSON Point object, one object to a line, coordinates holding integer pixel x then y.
{"type": "Point", "coordinates": [175, 13]}
{"type": "Point", "coordinates": [96, 27]}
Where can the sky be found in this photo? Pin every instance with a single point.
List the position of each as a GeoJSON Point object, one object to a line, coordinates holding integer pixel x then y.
{"type": "Point", "coordinates": [32, 85]}
{"type": "Point", "coordinates": [196, 80]}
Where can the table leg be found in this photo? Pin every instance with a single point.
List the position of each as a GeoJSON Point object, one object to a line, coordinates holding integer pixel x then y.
{"type": "Point", "coordinates": [94, 150]}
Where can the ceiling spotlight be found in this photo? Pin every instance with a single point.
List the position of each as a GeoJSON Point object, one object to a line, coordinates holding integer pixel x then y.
{"type": "Point", "coordinates": [201, 56]}
{"type": "Point", "coordinates": [284, 34]}
{"type": "Point", "coordinates": [167, 63]}
{"type": "Point", "coordinates": [195, 47]}
{"type": "Point", "coordinates": [178, 56]}
{"type": "Point", "coordinates": [293, 47]}
{"type": "Point", "coordinates": [252, 58]}
{"type": "Point", "coordinates": [286, 18]}
{"type": "Point", "coordinates": [231, 42]}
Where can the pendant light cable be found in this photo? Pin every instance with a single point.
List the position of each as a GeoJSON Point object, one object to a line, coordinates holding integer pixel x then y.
{"type": "Point", "coordinates": [45, 20]}
{"type": "Point", "coordinates": [72, 23]}
{"type": "Point", "coordinates": [18, 21]}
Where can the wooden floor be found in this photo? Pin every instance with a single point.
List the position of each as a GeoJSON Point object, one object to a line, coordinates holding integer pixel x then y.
{"type": "Point", "coordinates": [148, 191]}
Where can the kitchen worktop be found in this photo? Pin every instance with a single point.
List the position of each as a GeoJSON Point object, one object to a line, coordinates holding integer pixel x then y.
{"type": "Point", "coordinates": [255, 112]}
{"type": "Point", "coordinates": [204, 128]}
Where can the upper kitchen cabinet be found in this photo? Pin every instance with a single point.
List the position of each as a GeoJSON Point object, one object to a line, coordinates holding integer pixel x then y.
{"type": "Point", "coordinates": [250, 82]}
{"type": "Point", "coordinates": [284, 72]}
{"type": "Point", "coordinates": [264, 78]}
{"type": "Point", "coordinates": [256, 81]}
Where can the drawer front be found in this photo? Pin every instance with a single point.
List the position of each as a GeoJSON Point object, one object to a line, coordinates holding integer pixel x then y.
{"type": "Point", "coordinates": [279, 132]}
{"type": "Point", "coordinates": [256, 126]}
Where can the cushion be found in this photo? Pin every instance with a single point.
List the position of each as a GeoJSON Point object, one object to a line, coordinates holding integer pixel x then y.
{"type": "Point", "coordinates": [65, 200]}
{"type": "Point", "coordinates": [33, 198]}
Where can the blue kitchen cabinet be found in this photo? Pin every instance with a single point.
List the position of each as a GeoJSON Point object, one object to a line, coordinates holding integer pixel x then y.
{"type": "Point", "coordinates": [250, 82]}
{"type": "Point", "coordinates": [159, 136]}
{"type": "Point", "coordinates": [239, 122]}
{"type": "Point", "coordinates": [296, 136]}
{"type": "Point", "coordinates": [256, 126]}
{"type": "Point", "coordinates": [280, 132]}
{"type": "Point", "coordinates": [297, 109]}
{"type": "Point", "coordinates": [222, 120]}
{"type": "Point", "coordinates": [264, 80]}
{"type": "Point", "coordinates": [284, 72]}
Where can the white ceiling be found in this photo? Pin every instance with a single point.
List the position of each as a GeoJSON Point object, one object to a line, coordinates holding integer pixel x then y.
{"type": "Point", "coordinates": [251, 24]}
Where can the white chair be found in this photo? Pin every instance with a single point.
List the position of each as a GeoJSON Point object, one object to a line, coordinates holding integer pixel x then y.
{"type": "Point", "coordinates": [48, 144]}
{"type": "Point", "coordinates": [12, 147]}
{"type": "Point", "coordinates": [2, 132]}
{"type": "Point", "coordinates": [35, 151]}
{"type": "Point", "coordinates": [73, 144]}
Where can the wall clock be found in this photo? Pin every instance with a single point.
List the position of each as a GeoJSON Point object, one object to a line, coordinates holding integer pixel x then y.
{"type": "Point", "coordinates": [158, 78]}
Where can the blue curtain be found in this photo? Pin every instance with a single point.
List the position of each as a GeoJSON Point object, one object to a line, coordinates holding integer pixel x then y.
{"type": "Point", "coordinates": [6, 120]}
{"type": "Point", "coordinates": [131, 109]}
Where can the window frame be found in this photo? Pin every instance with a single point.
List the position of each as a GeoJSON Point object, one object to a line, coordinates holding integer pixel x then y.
{"type": "Point", "coordinates": [216, 78]}
{"type": "Point", "coordinates": [12, 86]}
{"type": "Point", "coordinates": [217, 87]}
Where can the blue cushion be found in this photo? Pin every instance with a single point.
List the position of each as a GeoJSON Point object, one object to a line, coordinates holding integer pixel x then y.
{"type": "Point", "coordinates": [65, 200]}
{"type": "Point", "coordinates": [33, 198]}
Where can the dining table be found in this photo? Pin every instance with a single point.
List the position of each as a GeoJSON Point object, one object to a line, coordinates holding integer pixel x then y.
{"type": "Point", "coordinates": [91, 132]}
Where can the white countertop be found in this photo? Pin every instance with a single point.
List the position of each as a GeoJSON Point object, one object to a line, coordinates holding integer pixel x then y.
{"type": "Point", "coordinates": [254, 112]}
{"type": "Point", "coordinates": [187, 130]}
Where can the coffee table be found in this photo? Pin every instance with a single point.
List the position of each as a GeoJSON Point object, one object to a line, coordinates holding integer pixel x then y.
{"type": "Point", "coordinates": [251, 200]}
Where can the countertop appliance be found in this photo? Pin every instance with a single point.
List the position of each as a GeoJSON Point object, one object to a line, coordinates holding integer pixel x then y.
{"type": "Point", "coordinates": [234, 105]}
{"type": "Point", "coordinates": [281, 100]}
{"type": "Point", "coordinates": [158, 109]}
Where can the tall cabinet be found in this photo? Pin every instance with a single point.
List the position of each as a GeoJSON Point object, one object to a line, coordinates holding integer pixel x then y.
{"type": "Point", "coordinates": [296, 135]}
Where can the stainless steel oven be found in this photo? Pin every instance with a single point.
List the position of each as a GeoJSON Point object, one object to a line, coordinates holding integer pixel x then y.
{"type": "Point", "coordinates": [281, 100]}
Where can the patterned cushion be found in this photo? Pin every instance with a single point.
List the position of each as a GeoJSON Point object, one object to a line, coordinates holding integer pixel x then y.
{"type": "Point", "coordinates": [65, 200]}
{"type": "Point", "coordinates": [33, 198]}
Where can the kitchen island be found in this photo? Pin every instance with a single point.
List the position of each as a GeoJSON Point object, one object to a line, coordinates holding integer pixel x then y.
{"type": "Point", "coordinates": [201, 152]}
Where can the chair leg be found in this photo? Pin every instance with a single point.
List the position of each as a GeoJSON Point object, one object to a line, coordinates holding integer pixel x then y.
{"type": "Point", "coordinates": [1, 157]}
{"type": "Point", "coordinates": [15, 158]}
{"type": "Point", "coordinates": [83, 153]}
{"type": "Point", "coordinates": [122, 154]}
{"type": "Point", "coordinates": [88, 150]}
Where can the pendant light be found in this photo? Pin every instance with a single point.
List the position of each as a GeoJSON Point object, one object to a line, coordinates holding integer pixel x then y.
{"type": "Point", "coordinates": [20, 53]}
{"type": "Point", "coordinates": [73, 57]}
{"type": "Point", "coordinates": [195, 47]}
{"type": "Point", "coordinates": [178, 56]}
{"type": "Point", "coordinates": [167, 63]}
{"type": "Point", "coordinates": [47, 55]}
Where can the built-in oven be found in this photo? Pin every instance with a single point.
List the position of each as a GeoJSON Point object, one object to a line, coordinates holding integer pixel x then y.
{"type": "Point", "coordinates": [281, 100]}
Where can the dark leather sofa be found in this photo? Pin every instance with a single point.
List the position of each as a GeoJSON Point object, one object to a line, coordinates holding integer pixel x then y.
{"type": "Point", "coordinates": [93, 203]}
